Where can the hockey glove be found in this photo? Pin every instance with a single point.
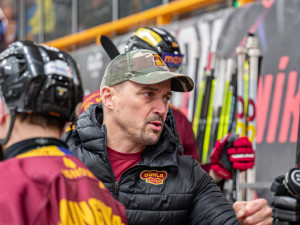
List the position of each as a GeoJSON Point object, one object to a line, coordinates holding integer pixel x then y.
{"type": "Point", "coordinates": [231, 153]}
{"type": "Point", "coordinates": [286, 199]}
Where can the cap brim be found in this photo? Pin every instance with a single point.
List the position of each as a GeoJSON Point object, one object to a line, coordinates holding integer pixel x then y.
{"type": "Point", "coordinates": [179, 82]}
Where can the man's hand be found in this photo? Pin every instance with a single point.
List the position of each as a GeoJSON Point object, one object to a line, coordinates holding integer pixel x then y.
{"type": "Point", "coordinates": [231, 153]}
{"type": "Point", "coordinates": [253, 212]}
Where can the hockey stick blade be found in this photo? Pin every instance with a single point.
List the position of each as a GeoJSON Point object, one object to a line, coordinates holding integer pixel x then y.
{"type": "Point", "coordinates": [109, 47]}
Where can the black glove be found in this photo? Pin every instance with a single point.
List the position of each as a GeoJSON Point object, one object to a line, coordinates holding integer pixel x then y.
{"type": "Point", "coordinates": [286, 199]}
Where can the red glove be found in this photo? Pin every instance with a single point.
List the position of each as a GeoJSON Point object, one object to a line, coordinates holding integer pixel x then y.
{"type": "Point", "coordinates": [231, 153]}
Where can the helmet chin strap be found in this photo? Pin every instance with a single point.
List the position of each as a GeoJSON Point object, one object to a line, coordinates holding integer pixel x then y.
{"type": "Point", "coordinates": [11, 125]}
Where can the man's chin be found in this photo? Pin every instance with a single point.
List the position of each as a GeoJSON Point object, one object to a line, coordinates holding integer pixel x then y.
{"type": "Point", "coordinates": [151, 140]}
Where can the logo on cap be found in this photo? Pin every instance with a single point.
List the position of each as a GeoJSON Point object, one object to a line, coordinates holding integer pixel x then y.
{"type": "Point", "coordinates": [157, 60]}
{"type": "Point", "coordinates": [154, 176]}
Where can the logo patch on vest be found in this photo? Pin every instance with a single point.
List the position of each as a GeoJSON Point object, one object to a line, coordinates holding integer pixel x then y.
{"type": "Point", "coordinates": [154, 176]}
{"type": "Point", "coordinates": [157, 60]}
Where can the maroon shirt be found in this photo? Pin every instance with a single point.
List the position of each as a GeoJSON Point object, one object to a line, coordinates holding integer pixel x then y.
{"type": "Point", "coordinates": [49, 186]}
{"type": "Point", "coordinates": [120, 162]}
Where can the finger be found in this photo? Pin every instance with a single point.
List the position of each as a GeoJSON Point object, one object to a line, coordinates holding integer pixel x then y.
{"type": "Point", "coordinates": [239, 150]}
{"type": "Point", "coordinates": [257, 212]}
{"type": "Point", "coordinates": [243, 141]}
{"type": "Point", "coordinates": [268, 221]}
{"type": "Point", "coordinates": [243, 166]}
{"type": "Point", "coordinates": [239, 208]}
{"type": "Point", "coordinates": [259, 206]}
{"type": "Point", "coordinates": [262, 217]}
{"type": "Point", "coordinates": [242, 158]}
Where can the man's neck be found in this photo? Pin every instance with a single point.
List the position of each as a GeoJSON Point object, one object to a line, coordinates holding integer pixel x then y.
{"type": "Point", "coordinates": [123, 142]}
{"type": "Point", "coordinates": [118, 139]}
{"type": "Point", "coordinates": [24, 131]}
{"type": "Point", "coordinates": [122, 145]}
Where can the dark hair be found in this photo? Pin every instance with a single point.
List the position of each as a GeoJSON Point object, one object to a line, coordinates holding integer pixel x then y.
{"type": "Point", "coordinates": [44, 121]}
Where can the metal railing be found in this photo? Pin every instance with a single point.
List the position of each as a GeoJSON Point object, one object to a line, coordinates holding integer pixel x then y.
{"type": "Point", "coordinates": [159, 15]}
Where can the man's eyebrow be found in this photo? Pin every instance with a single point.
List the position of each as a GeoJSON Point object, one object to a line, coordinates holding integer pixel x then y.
{"type": "Point", "coordinates": [169, 93]}
{"type": "Point", "coordinates": [147, 88]}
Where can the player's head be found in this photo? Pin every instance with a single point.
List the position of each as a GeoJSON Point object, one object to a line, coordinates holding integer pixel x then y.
{"type": "Point", "coordinates": [38, 80]}
{"type": "Point", "coordinates": [160, 41]}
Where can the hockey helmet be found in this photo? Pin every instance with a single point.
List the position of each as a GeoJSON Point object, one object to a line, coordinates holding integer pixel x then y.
{"type": "Point", "coordinates": [39, 79]}
{"type": "Point", "coordinates": [158, 40]}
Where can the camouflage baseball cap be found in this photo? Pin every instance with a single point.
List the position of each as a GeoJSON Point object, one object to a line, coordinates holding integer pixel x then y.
{"type": "Point", "coordinates": [144, 67]}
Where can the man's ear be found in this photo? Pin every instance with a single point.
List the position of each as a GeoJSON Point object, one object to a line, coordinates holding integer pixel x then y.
{"type": "Point", "coordinates": [107, 94]}
{"type": "Point", "coordinates": [78, 109]}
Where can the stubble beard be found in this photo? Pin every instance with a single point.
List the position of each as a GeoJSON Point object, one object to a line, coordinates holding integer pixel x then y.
{"type": "Point", "coordinates": [149, 136]}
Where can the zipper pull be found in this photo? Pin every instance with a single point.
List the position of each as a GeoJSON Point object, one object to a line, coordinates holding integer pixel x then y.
{"type": "Point", "coordinates": [117, 185]}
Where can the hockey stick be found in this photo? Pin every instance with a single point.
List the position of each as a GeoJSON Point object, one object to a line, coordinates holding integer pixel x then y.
{"type": "Point", "coordinates": [208, 114]}
{"type": "Point", "coordinates": [204, 31]}
{"type": "Point", "coordinates": [240, 118]}
{"type": "Point", "coordinates": [196, 77]}
{"type": "Point", "coordinates": [204, 108]}
{"type": "Point", "coordinates": [254, 54]}
{"type": "Point", "coordinates": [109, 47]}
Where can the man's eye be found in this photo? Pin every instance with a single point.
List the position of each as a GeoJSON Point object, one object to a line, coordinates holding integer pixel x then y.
{"type": "Point", "coordinates": [167, 99]}
{"type": "Point", "coordinates": [148, 94]}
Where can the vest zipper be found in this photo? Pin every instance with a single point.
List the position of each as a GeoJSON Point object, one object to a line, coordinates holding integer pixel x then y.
{"type": "Point", "coordinates": [117, 185]}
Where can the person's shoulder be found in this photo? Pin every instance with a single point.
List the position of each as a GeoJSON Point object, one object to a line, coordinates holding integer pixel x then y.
{"type": "Point", "coordinates": [176, 110]}
{"type": "Point", "coordinates": [191, 170]}
{"type": "Point", "coordinates": [8, 168]}
{"type": "Point", "coordinates": [178, 114]}
{"type": "Point", "coordinates": [26, 171]}
{"type": "Point", "coordinates": [188, 161]}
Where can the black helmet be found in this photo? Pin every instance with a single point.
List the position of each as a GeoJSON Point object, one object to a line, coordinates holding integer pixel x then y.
{"type": "Point", "coordinates": [39, 79]}
{"type": "Point", "coordinates": [158, 40]}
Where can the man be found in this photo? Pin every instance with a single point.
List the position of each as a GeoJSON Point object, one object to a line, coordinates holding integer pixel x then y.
{"type": "Point", "coordinates": [161, 41]}
{"type": "Point", "coordinates": [169, 47]}
{"type": "Point", "coordinates": [41, 181]}
{"type": "Point", "coordinates": [165, 45]}
{"type": "Point", "coordinates": [126, 144]}
{"type": "Point", "coordinates": [240, 156]}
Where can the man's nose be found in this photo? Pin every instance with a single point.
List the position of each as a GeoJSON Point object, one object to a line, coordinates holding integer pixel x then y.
{"type": "Point", "coordinates": [161, 107]}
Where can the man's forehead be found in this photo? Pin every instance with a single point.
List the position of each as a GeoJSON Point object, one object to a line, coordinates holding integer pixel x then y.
{"type": "Point", "coordinates": [166, 85]}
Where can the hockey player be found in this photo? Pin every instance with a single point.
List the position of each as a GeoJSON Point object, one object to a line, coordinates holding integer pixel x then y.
{"type": "Point", "coordinates": [41, 181]}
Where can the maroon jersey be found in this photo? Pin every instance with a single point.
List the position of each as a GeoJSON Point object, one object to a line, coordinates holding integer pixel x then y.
{"type": "Point", "coordinates": [186, 134]}
{"type": "Point", "coordinates": [48, 185]}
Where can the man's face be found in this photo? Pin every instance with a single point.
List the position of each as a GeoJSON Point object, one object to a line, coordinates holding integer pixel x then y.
{"type": "Point", "coordinates": [140, 110]}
